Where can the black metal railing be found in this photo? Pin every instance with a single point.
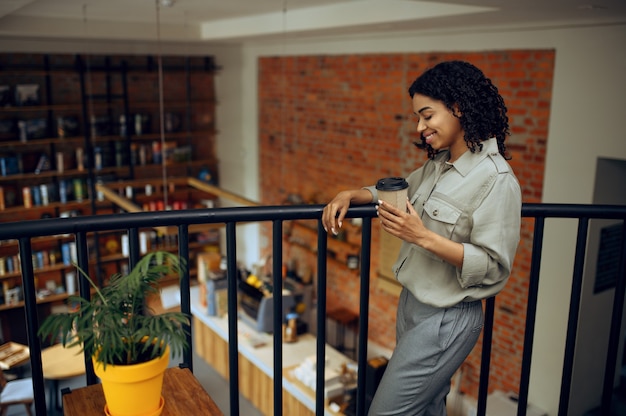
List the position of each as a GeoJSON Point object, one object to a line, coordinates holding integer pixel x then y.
{"type": "Point", "coordinates": [83, 227]}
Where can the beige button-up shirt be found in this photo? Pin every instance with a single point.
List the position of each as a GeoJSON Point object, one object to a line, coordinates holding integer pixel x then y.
{"type": "Point", "coordinates": [475, 201]}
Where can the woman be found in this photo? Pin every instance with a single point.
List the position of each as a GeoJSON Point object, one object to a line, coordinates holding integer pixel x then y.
{"type": "Point", "coordinates": [460, 231]}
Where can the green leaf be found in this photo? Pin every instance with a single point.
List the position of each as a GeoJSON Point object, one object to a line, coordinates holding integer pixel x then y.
{"type": "Point", "coordinates": [112, 325]}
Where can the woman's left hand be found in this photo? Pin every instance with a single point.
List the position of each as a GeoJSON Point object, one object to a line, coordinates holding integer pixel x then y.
{"type": "Point", "coordinates": [406, 225]}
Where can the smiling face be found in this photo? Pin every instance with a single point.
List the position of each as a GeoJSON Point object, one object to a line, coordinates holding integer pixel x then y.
{"type": "Point", "coordinates": [438, 126]}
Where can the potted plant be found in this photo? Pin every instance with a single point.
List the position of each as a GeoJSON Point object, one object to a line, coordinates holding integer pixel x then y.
{"type": "Point", "coordinates": [121, 339]}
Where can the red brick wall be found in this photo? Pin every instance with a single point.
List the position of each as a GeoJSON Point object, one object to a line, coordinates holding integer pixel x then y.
{"type": "Point", "coordinates": [328, 123]}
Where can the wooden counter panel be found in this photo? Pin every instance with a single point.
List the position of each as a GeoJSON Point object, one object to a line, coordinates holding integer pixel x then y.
{"type": "Point", "coordinates": [254, 384]}
{"type": "Point", "coordinates": [211, 347]}
{"type": "Point", "coordinates": [292, 406]}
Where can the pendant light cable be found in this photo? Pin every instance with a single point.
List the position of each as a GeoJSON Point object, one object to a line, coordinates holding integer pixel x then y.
{"type": "Point", "coordinates": [161, 105]}
{"type": "Point", "coordinates": [88, 81]}
{"type": "Point", "coordinates": [283, 107]}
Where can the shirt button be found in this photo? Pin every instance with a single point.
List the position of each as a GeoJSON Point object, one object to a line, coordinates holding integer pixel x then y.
{"type": "Point", "coordinates": [435, 212]}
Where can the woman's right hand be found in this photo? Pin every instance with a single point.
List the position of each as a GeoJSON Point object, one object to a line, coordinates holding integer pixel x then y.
{"type": "Point", "coordinates": [335, 211]}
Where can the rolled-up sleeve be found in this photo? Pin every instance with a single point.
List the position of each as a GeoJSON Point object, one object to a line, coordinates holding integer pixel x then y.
{"type": "Point", "coordinates": [373, 191]}
{"type": "Point", "coordinates": [488, 256]}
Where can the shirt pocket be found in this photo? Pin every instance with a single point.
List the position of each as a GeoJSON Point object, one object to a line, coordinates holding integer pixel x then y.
{"type": "Point", "coordinates": [440, 216]}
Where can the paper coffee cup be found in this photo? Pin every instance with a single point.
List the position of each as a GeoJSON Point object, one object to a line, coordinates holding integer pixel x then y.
{"type": "Point", "coordinates": [393, 191]}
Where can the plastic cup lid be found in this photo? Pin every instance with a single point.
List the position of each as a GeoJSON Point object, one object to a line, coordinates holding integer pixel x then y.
{"type": "Point", "coordinates": [392, 184]}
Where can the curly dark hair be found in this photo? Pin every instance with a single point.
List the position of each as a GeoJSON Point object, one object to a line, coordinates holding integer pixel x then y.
{"type": "Point", "coordinates": [482, 109]}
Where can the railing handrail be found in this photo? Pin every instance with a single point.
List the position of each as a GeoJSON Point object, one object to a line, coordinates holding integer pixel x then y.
{"type": "Point", "coordinates": [107, 222]}
{"type": "Point", "coordinates": [69, 225]}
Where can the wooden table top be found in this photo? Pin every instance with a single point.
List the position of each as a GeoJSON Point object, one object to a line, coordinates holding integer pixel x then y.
{"type": "Point", "coordinates": [344, 316]}
{"type": "Point", "coordinates": [59, 363]}
{"type": "Point", "coordinates": [182, 393]}
{"type": "Point", "coordinates": [13, 354]}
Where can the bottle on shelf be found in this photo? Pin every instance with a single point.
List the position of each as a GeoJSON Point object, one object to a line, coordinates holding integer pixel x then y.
{"type": "Point", "coordinates": [290, 329]}
{"type": "Point", "coordinates": [123, 126]}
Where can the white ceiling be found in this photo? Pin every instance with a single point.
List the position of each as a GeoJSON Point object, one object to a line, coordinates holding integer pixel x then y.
{"type": "Point", "coordinates": [221, 21]}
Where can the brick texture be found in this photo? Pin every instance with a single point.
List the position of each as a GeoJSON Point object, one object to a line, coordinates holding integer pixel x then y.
{"type": "Point", "coordinates": [328, 123]}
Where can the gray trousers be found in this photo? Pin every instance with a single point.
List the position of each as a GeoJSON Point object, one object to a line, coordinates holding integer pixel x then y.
{"type": "Point", "coordinates": [431, 344]}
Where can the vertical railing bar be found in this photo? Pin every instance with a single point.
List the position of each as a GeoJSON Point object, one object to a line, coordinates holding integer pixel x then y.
{"type": "Point", "coordinates": [320, 360]}
{"type": "Point", "coordinates": [574, 308]}
{"type": "Point", "coordinates": [531, 315]}
{"type": "Point", "coordinates": [133, 247]}
{"type": "Point", "coordinates": [82, 258]}
{"type": "Point", "coordinates": [616, 321]}
{"type": "Point", "coordinates": [485, 361]}
{"type": "Point", "coordinates": [233, 342]}
{"type": "Point", "coordinates": [185, 296]}
{"type": "Point", "coordinates": [32, 324]}
{"type": "Point", "coordinates": [277, 295]}
{"type": "Point", "coordinates": [366, 247]}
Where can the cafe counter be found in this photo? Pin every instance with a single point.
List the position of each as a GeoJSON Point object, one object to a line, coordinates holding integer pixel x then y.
{"type": "Point", "coordinates": [256, 361]}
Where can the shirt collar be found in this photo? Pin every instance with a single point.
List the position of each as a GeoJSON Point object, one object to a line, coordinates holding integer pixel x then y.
{"type": "Point", "coordinates": [469, 160]}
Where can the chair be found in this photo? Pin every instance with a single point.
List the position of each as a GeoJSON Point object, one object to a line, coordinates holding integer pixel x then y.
{"type": "Point", "coordinates": [16, 392]}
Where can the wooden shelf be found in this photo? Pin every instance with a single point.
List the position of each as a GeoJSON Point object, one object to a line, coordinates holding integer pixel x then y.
{"type": "Point", "coordinates": [30, 144]}
{"type": "Point", "coordinates": [37, 241]}
{"type": "Point", "coordinates": [332, 241]}
{"type": "Point", "coordinates": [168, 104]}
{"type": "Point", "coordinates": [111, 258]}
{"type": "Point", "coordinates": [112, 170]}
{"type": "Point", "coordinates": [41, 108]}
{"type": "Point", "coordinates": [31, 71]}
{"type": "Point", "coordinates": [308, 242]}
{"type": "Point", "coordinates": [17, 213]}
{"type": "Point", "coordinates": [108, 138]}
{"type": "Point", "coordinates": [48, 299]}
{"type": "Point", "coordinates": [44, 175]}
{"type": "Point", "coordinates": [48, 269]}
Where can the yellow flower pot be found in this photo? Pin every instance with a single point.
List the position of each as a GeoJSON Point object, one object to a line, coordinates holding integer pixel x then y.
{"type": "Point", "coordinates": [133, 390]}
